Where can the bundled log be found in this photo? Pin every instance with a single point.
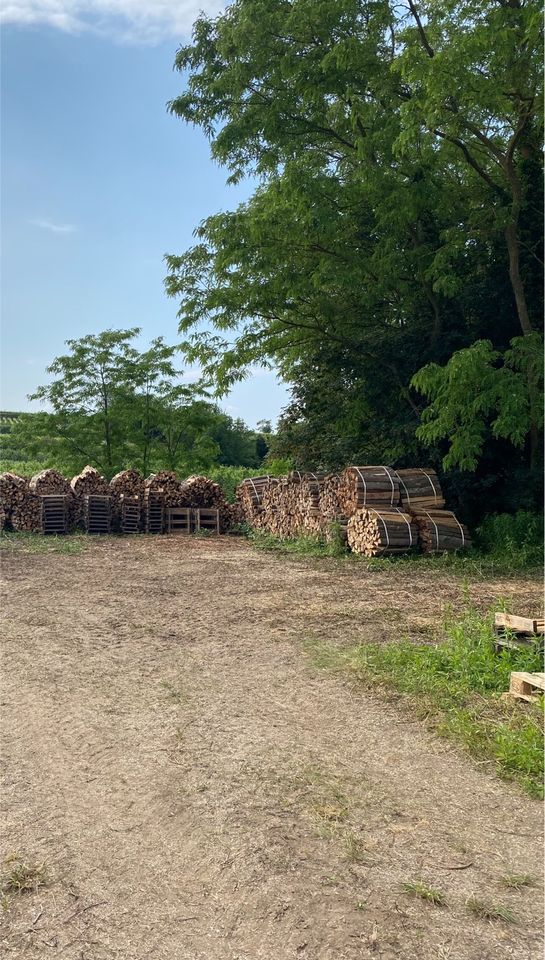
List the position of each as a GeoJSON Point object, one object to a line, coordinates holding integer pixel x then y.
{"type": "Point", "coordinates": [165, 483]}
{"type": "Point", "coordinates": [199, 492]}
{"type": "Point", "coordinates": [89, 481]}
{"type": "Point", "coordinates": [13, 490]}
{"type": "Point", "coordinates": [378, 532]}
{"type": "Point", "coordinates": [363, 486]}
{"type": "Point", "coordinates": [440, 531]}
{"type": "Point", "coordinates": [420, 489]}
{"type": "Point", "coordinates": [26, 516]}
{"type": "Point", "coordinates": [250, 495]}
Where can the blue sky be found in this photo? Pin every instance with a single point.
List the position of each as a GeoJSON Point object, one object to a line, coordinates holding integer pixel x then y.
{"type": "Point", "coordinates": [99, 182]}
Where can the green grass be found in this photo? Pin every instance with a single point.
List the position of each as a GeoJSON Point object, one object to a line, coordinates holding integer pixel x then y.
{"type": "Point", "coordinates": [517, 881]}
{"type": "Point", "coordinates": [485, 910]}
{"type": "Point", "coordinates": [21, 877]}
{"type": "Point", "coordinates": [37, 543]}
{"type": "Point", "coordinates": [456, 686]}
{"type": "Point", "coordinates": [417, 888]}
{"type": "Point", "coordinates": [309, 546]}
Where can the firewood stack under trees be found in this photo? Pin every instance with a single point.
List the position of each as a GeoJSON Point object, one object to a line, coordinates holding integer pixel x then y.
{"type": "Point", "coordinates": [379, 510]}
{"type": "Point", "coordinates": [87, 483]}
{"type": "Point", "coordinates": [165, 485]}
{"type": "Point", "coordinates": [13, 491]}
{"type": "Point", "coordinates": [52, 483]}
{"type": "Point", "coordinates": [199, 492]}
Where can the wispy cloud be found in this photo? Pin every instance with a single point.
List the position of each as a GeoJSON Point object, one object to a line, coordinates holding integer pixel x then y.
{"type": "Point", "coordinates": [53, 227]}
{"type": "Point", "coordinates": [138, 21]}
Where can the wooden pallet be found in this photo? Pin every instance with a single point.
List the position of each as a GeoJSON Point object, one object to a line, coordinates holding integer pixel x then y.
{"type": "Point", "coordinates": [54, 514]}
{"type": "Point", "coordinates": [526, 686]}
{"type": "Point", "coordinates": [516, 633]}
{"type": "Point", "coordinates": [206, 520]}
{"type": "Point", "coordinates": [97, 513]}
{"type": "Point", "coordinates": [154, 508]}
{"type": "Point", "coordinates": [130, 515]}
{"type": "Point", "coordinates": [179, 520]}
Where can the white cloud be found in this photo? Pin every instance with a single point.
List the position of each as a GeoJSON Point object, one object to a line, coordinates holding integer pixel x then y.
{"type": "Point", "coordinates": [145, 21]}
{"type": "Point", "coordinates": [53, 227]}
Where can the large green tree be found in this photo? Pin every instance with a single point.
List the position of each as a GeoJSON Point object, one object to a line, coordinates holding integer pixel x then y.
{"type": "Point", "coordinates": [395, 225]}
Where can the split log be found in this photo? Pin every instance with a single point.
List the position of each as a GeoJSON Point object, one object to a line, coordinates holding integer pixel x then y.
{"type": "Point", "coordinates": [89, 481]}
{"type": "Point", "coordinates": [26, 516]}
{"type": "Point", "coordinates": [200, 492]}
{"type": "Point", "coordinates": [440, 531]}
{"type": "Point", "coordinates": [420, 489]}
{"type": "Point", "coordinates": [376, 532]}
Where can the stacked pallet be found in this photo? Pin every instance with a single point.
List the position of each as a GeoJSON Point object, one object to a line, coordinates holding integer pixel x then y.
{"type": "Point", "coordinates": [51, 483]}
{"type": "Point", "coordinates": [126, 487]}
{"type": "Point", "coordinates": [379, 531]}
{"type": "Point", "coordinates": [87, 483]}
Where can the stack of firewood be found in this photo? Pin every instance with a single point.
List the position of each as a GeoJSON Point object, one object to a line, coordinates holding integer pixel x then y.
{"type": "Point", "coordinates": [310, 510]}
{"type": "Point", "coordinates": [166, 486]}
{"type": "Point", "coordinates": [89, 481]}
{"type": "Point", "coordinates": [420, 489]}
{"type": "Point", "coordinates": [13, 492]}
{"type": "Point", "coordinates": [440, 530]}
{"type": "Point", "coordinates": [361, 486]}
{"type": "Point", "coordinates": [250, 496]}
{"type": "Point", "coordinates": [200, 492]}
{"type": "Point", "coordinates": [52, 483]}
{"type": "Point", "coordinates": [129, 483]}
{"type": "Point", "coordinates": [379, 531]}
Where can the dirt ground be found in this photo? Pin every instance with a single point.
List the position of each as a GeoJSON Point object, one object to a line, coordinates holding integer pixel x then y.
{"type": "Point", "coordinates": [199, 790]}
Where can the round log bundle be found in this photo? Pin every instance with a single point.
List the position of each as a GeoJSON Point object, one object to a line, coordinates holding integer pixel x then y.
{"type": "Point", "coordinates": [89, 481]}
{"type": "Point", "coordinates": [26, 516]}
{"type": "Point", "coordinates": [166, 484]}
{"type": "Point", "coordinates": [250, 495]}
{"type": "Point", "coordinates": [378, 532]}
{"type": "Point", "coordinates": [49, 482]}
{"type": "Point", "coordinates": [440, 531]}
{"type": "Point", "coordinates": [201, 492]}
{"type": "Point", "coordinates": [362, 486]}
{"type": "Point", "coordinates": [129, 483]}
{"type": "Point", "coordinates": [420, 489]}
{"type": "Point", "coordinates": [13, 490]}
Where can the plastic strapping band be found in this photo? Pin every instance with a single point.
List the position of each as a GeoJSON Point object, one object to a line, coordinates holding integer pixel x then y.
{"type": "Point", "coordinates": [385, 528]}
{"type": "Point", "coordinates": [401, 514]}
{"type": "Point", "coordinates": [255, 488]}
{"type": "Point", "coordinates": [402, 482]}
{"type": "Point", "coordinates": [431, 483]}
{"type": "Point", "coordinates": [436, 530]}
{"type": "Point", "coordinates": [461, 529]}
{"type": "Point", "coordinates": [389, 475]}
{"type": "Point", "coordinates": [362, 478]}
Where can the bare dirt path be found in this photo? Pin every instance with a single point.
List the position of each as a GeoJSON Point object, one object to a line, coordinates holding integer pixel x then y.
{"type": "Point", "coordinates": [200, 791]}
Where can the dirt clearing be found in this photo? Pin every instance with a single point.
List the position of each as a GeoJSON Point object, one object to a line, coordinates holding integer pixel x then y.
{"type": "Point", "coordinates": [198, 790]}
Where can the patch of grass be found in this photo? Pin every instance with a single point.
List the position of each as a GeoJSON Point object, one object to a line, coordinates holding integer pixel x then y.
{"type": "Point", "coordinates": [174, 693]}
{"type": "Point", "coordinates": [37, 543]}
{"type": "Point", "coordinates": [21, 877]}
{"type": "Point", "coordinates": [417, 888]}
{"type": "Point", "coordinates": [516, 881]}
{"type": "Point", "coordinates": [308, 546]}
{"type": "Point", "coordinates": [456, 686]}
{"type": "Point", "coordinates": [485, 910]}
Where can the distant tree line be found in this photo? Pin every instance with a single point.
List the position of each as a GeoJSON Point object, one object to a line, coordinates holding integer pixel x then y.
{"type": "Point", "coordinates": [114, 406]}
{"type": "Point", "coordinates": [389, 262]}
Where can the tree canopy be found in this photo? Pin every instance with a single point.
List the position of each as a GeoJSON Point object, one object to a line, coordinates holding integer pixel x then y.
{"type": "Point", "coordinates": [391, 249]}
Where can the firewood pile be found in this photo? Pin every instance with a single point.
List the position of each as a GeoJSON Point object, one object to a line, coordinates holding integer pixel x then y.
{"type": "Point", "coordinates": [376, 531]}
{"type": "Point", "coordinates": [199, 492]}
{"type": "Point", "coordinates": [13, 491]}
{"type": "Point", "coordinates": [89, 481]}
{"type": "Point", "coordinates": [128, 483]}
{"type": "Point", "coordinates": [378, 510]}
{"type": "Point", "coordinates": [440, 530]}
{"type": "Point", "coordinates": [165, 485]}
{"type": "Point", "coordinates": [52, 483]}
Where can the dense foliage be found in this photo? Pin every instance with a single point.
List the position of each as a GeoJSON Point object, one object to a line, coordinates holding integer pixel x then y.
{"type": "Point", "coordinates": [388, 262]}
{"type": "Point", "coordinates": [115, 407]}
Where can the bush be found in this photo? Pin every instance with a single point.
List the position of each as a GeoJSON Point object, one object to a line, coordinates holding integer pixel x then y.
{"type": "Point", "coordinates": [513, 539]}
